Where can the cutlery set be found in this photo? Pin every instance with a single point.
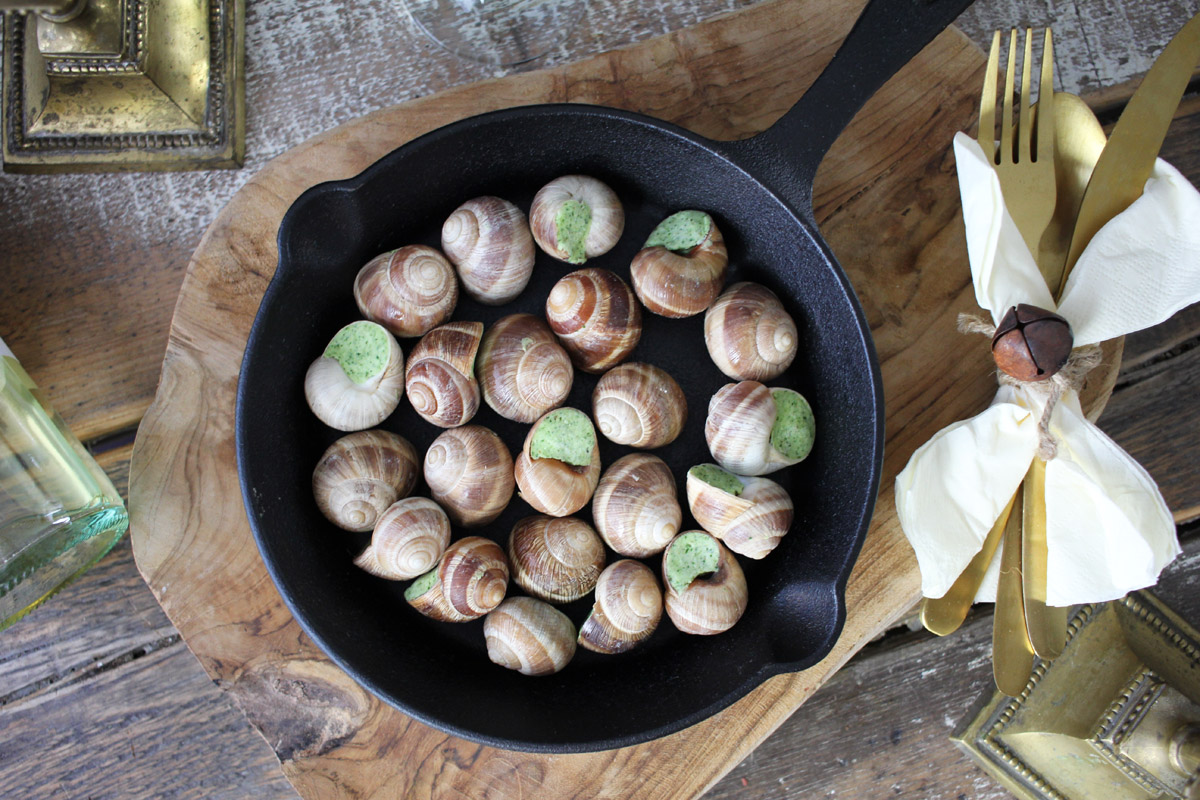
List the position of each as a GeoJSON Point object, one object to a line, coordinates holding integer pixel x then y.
{"type": "Point", "coordinates": [1042, 157]}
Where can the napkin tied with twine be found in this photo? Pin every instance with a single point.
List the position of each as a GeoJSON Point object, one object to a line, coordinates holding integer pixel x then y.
{"type": "Point", "coordinates": [1109, 531]}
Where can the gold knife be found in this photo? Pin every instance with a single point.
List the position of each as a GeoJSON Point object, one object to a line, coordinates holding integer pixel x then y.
{"type": "Point", "coordinates": [1128, 158]}
{"type": "Point", "coordinates": [1012, 655]}
{"type": "Point", "coordinates": [1047, 625]}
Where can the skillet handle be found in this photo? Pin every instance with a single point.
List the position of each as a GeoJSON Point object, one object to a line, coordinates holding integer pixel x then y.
{"type": "Point", "coordinates": [886, 36]}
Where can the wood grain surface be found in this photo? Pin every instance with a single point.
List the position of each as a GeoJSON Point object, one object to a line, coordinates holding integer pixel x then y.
{"type": "Point", "coordinates": [92, 265]}
{"type": "Point", "coordinates": [889, 209]}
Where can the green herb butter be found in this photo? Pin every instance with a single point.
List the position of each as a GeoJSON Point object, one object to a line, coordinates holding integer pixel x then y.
{"type": "Point", "coordinates": [421, 585]}
{"type": "Point", "coordinates": [681, 232]}
{"type": "Point", "coordinates": [795, 428]}
{"type": "Point", "coordinates": [362, 348]}
{"type": "Point", "coordinates": [571, 226]}
{"type": "Point", "coordinates": [689, 556]}
{"type": "Point", "coordinates": [565, 434]}
{"type": "Point", "coordinates": [718, 478]}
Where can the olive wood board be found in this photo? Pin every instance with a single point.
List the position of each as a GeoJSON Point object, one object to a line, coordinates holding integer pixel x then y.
{"type": "Point", "coordinates": [887, 201]}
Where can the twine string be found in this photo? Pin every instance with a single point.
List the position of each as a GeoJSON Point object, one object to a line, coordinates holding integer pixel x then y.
{"type": "Point", "coordinates": [1082, 361]}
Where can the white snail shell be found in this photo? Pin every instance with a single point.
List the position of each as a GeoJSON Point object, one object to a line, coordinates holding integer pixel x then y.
{"type": "Point", "coordinates": [750, 523]}
{"type": "Point", "coordinates": [748, 333]}
{"type": "Point", "coordinates": [628, 607]}
{"type": "Point", "coordinates": [529, 636]}
{"type": "Point", "coordinates": [635, 507]}
{"type": "Point", "coordinates": [359, 378]}
{"type": "Point", "coordinates": [470, 580]}
{"type": "Point", "coordinates": [552, 486]}
{"type": "Point", "coordinates": [470, 472]}
{"type": "Point", "coordinates": [557, 559]}
{"type": "Point", "coordinates": [557, 218]}
{"type": "Point", "coordinates": [408, 540]}
{"type": "Point", "coordinates": [360, 475]}
{"type": "Point", "coordinates": [409, 291]}
{"type": "Point", "coordinates": [681, 283]}
{"type": "Point", "coordinates": [488, 241]}
{"type": "Point", "coordinates": [750, 430]}
{"type": "Point", "coordinates": [639, 405]}
{"type": "Point", "coordinates": [712, 602]}
{"type": "Point", "coordinates": [596, 317]}
{"type": "Point", "coordinates": [523, 370]}
{"type": "Point", "coordinates": [440, 379]}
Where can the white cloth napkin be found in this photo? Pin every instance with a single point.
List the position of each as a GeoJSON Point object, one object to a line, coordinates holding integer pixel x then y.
{"type": "Point", "coordinates": [1108, 529]}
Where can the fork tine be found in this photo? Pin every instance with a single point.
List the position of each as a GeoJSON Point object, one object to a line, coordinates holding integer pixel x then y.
{"type": "Point", "coordinates": [1045, 123]}
{"type": "Point", "coordinates": [987, 102]}
{"type": "Point", "coordinates": [1024, 123]}
{"type": "Point", "coordinates": [1006, 114]}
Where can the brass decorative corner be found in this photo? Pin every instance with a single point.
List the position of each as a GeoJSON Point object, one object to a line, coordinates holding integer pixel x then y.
{"type": "Point", "coordinates": [125, 85]}
{"type": "Point", "coordinates": [1116, 716]}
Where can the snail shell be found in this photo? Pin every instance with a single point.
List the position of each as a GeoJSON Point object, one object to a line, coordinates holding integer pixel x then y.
{"type": "Point", "coordinates": [553, 486]}
{"type": "Point", "coordinates": [713, 600]}
{"type": "Point", "coordinates": [408, 540]}
{"type": "Point", "coordinates": [635, 507]}
{"type": "Point", "coordinates": [753, 430]}
{"type": "Point", "coordinates": [360, 475]}
{"type": "Point", "coordinates": [523, 370]}
{"type": "Point", "coordinates": [488, 241]}
{"type": "Point", "coordinates": [470, 580]}
{"type": "Point", "coordinates": [359, 378]}
{"type": "Point", "coordinates": [639, 405]}
{"type": "Point", "coordinates": [529, 636]}
{"type": "Point", "coordinates": [470, 472]}
{"type": "Point", "coordinates": [596, 317]}
{"type": "Point", "coordinates": [750, 523]}
{"type": "Point", "coordinates": [409, 291]}
{"type": "Point", "coordinates": [440, 379]}
{"type": "Point", "coordinates": [557, 559]}
{"type": "Point", "coordinates": [629, 604]}
{"type": "Point", "coordinates": [681, 269]}
{"type": "Point", "coordinates": [576, 217]}
{"type": "Point", "coordinates": [748, 333]}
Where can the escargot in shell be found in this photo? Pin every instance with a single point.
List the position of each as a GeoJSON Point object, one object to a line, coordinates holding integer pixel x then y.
{"type": "Point", "coordinates": [555, 558]}
{"type": "Point", "coordinates": [408, 540]}
{"type": "Point", "coordinates": [753, 430]}
{"type": "Point", "coordinates": [409, 291]}
{"type": "Point", "coordinates": [359, 378]}
{"type": "Point", "coordinates": [470, 580]}
{"type": "Point", "coordinates": [635, 507]}
{"type": "Point", "coordinates": [523, 371]}
{"type": "Point", "coordinates": [748, 333]}
{"type": "Point", "coordinates": [628, 607]}
{"type": "Point", "coordinates": [705, 587]}
{"type": "Point", "coordinates": [470, 472]}
{"type": "Point", "coordinates": [529, 636]}
{"type": "Point", "coordinates": [596, 317]}
{"type": "Point", "coordinates": [488, 241]}
{"type": "Point", "coordinates": [440, 379]}
{"type": "Point", "coordinates": [559, 465]}
{"type": "Point", "coordinates": [681, 268]}
{"type": "Point", "coordinates": [361, 474]}
{"type": "Point", "coordinates": [639, 405]}
{"type": "Point", "coordinates": [750, 515]}
{"type": "Point", "coordinates": [576, 217]}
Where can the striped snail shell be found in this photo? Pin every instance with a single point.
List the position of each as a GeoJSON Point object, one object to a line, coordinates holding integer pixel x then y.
{"type": "Point", "coordinates": [753, 430]}
{"type": "Point", "coordinates": [529, 636]}
{"type": "Point", "coordinates": [635, 508]}
{"type": "Point", "coordinates": [596, 317]}
{"type": "Point", "coordinates": [360, 475]}
{"type": "Point", "coordinates": [470, 580]}
{"type": "Point", "coordinates": [705, 586]}
{"type": "Point", "coordinates": [523, 370]}
{"type": "Point", "coordinates": [639, 405]}
{"type": "Point", "coordinates": [576, 217]}
{"type": "Point", "coordinates": [681, 269]}
{"type": "Point", "coordinates": [748, 333]}
{"type": "Point", "coordinates": [470, 472]}
{"type": "Point", "coordinates": [488, 241]}
{"type": "Point", "coordinates": [557, 559]}
{"type": "Point", "coordinates": [750, 515]}
{"type": "Point", "coordinates": [359, 378]}
{"type": "Point", "coordinates": [559, 464]}
{"type": "Point", "coordinates": [407, 540]}
{"type": "Point", "coordinates": [409, 291]}
{"type": "Point", "coordinates": [440, 379]}
{"type": "Point", "coordinates": [629, 604]}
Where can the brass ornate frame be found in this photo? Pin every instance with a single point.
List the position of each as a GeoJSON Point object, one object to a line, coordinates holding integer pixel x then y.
{"type": "Point", "coordinates": [130, 85]}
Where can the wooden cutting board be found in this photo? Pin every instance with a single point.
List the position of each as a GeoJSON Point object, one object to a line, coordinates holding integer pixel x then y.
{"type": "Point", "coordinates": [888, 204]}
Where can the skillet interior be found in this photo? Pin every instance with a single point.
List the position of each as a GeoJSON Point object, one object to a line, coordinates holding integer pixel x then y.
{"type": "Point", "coordinates": [437, 672]}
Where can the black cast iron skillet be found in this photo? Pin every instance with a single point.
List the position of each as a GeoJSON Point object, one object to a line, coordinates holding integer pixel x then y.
{"type": "Point", "coordinates": [760, 193]}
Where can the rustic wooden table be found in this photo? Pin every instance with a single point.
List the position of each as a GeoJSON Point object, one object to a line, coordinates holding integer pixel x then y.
{"type": "Point", "coordinates": [99, 696]}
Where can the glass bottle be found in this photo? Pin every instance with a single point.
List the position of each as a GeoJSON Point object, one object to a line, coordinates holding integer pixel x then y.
{"type": "Point", "coordinates": [59, 512]}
